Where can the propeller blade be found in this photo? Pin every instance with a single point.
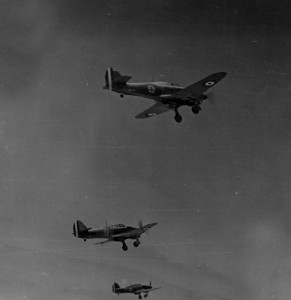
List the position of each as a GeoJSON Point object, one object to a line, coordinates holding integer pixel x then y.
{"type": "Point", "coordinates": [140, 224]}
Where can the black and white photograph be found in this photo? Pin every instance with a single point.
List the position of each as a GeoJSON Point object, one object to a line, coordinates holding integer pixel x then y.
{"type": "Point", "coordinates": [145, 150]}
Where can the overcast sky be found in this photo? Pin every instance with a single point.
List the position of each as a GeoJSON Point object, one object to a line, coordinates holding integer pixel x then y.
{"type": "Point", "coordinates": [218, 184]}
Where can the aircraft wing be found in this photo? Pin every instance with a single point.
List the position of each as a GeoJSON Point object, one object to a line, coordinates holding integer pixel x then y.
{"type": "Point", "coordinates": [199, 88]}
{"type": "Point", "coordinates": [147, 291]}
{"type": "Point", "coordinates": [156, 109]}
{"type": "Point", "coordinates": [103, 242]}
{"type": "Point", "coordinates": [126, 235]}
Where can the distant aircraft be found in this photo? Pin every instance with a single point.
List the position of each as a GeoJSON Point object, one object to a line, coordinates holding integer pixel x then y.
{"type": "Point", "coordinates": [113, 233]}
{"type": "Point", "coordinates": [167, 96]}
{"type": "Point", "coordinates": [137, 289]}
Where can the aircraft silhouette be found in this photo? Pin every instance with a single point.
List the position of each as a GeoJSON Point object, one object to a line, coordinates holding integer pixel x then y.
{"type": "Point", "coordinates": [167, 96]}
{"type": "Point", "coordinates": [113, 233]}
{"type": "Point", "coordinates": [137, 289]}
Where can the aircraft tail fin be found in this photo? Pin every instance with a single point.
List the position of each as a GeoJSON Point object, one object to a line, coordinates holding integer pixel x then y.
{"type": "Point", "coordinates": [114, 78]}
{"type": "Point", "coordinates": [115, 286]}
{"type": "Point", "coordinates": [79, 227]}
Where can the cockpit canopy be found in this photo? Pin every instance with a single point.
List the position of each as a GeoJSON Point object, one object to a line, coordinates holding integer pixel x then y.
{"type": "Point", "coordinates": [119, 225]}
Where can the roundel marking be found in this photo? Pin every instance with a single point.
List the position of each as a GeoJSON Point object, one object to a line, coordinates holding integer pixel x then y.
{"type": "Point", "coordinates": [209, 83]}
{"type": "Point", "coordinates": [151, 89]}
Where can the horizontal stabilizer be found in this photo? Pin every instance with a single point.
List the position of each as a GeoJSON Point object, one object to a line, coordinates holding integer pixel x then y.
{"type": "Point", "coordinates": [119, 79]}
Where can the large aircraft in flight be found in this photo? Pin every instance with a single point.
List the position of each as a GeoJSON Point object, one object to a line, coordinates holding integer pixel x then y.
{"type": "Point", "coordinates": [112, 233]}
{"type": "Point", "coordinates": [167, 96]}
{"type": "Point", "coordinates": [137, 289]}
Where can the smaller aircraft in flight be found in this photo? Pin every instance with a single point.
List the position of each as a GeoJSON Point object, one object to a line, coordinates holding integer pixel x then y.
{"type": "Point", "coordinates": [113, 233]}
{"type": "Point", "coordinates": [137, 289]}
{"type": "Point", "coordinates": [167, 96]}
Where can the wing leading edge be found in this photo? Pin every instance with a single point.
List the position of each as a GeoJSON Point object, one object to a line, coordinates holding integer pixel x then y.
{"type": "Point", "coordinates": [147, 291]}
{"type": "Point", "coordinates": [156, 109]}
{"type": "Point", "coordinates": [103, 242]}
{"type": "Point", "coordinates": [199, 88]}
{"type": "Point", "coordinates": [118, 237]}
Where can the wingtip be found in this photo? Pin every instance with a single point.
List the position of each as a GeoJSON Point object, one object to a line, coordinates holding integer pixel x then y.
{"type": "Point", "coordinates": [222, 74]}
{"type": "Point", "coordinates": [219, 75]}
{"type": "Point", "coordinates": [140, 116]}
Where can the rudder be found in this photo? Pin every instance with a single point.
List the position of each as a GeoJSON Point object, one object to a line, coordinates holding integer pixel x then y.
{"type": "Point", "coordinates": [108, 79]}
{"type": "Point", "coordinates": [78, 227]}
{"type": "Point", "coordinates": [115, 286]}
{"type": "Point", "coordinates": [114, 78]}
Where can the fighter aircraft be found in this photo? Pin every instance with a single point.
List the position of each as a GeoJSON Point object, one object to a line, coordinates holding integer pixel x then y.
{"type": "Point", "coordinates": [113, 233]}
{"type": "Point", "coordinates": [136, 289]}
{"type": "Point", "coordinates": [167, 96]}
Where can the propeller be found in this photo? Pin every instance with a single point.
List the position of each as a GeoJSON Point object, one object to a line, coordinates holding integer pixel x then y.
{"type": "Point", "coordinates": [210, 98]}
{"type": "Point", "coordinates": [107, 230]}
{"type": "Point", "coordinates": [142, 228]}
{"type": "Point", "coordinates": [140, 225]}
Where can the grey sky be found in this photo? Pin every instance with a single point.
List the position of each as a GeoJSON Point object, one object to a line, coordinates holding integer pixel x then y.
{"type": "Point", "coordinates": [218, 184]}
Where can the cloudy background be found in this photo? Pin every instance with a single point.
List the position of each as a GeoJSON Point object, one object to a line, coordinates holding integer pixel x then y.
{"type": "Point", "coordinates": [218, 184]}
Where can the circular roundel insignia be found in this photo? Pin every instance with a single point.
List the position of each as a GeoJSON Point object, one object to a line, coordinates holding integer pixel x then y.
{"type": "Point", "coordinates": [151, 89]}
{"type": "Point", "coordinates": [209, 83]}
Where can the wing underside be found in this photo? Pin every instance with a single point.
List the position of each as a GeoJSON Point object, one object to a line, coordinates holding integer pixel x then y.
{"type": "Point", "coordinates": [125, 235]}
{"type": "Point", "coordinates": [199, 88]}
{"type": "Point", "coordinates": [103, 242]}
{"type": "Point", "coordinates": [118, 237]}
{"type": "Point", "coordinates": [147, 291]}
{"type": "Point", "coordinates": [154, 110]}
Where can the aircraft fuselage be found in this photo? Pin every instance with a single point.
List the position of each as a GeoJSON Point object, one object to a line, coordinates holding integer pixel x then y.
{"type": "Point", "coordinates": [134, 289]}
{"type": "Point", "coordinates": [103, 233]}
{"type": "Point", "coordinates": [151, 90]}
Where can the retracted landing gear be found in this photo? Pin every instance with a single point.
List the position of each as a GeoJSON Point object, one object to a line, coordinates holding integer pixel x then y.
{"type": "Point", "coordinates": [178, 117]}
{"type": "Point", "coordinates": [136, 243]}
{"type": "Point", "coordinates": [124, 247]}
